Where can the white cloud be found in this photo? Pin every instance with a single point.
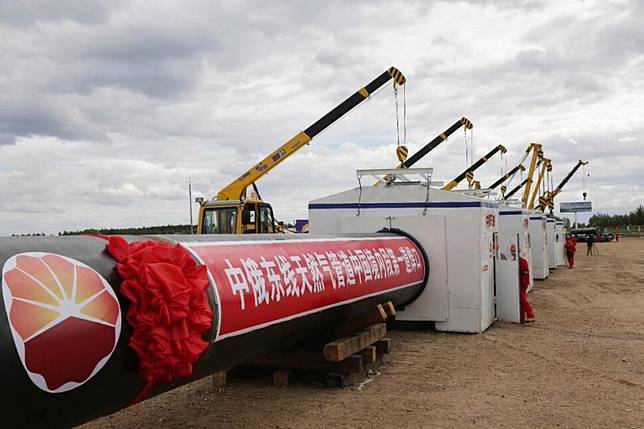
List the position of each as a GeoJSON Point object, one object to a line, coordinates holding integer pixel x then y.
{"type": "Point", "coordinates": [106, 112]}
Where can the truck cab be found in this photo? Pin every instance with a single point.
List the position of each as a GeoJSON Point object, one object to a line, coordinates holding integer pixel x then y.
{"type": "Point", "coordinates": [236, 217]}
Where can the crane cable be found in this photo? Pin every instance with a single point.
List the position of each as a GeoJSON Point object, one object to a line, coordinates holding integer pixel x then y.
{"type": "Point", "coordinates": [397, 118]}
{"type": "Point", "coordinates": [401, 150]}
{"type": "Point", "coordinates": [467, 152]}
{"type": "Point", "coordinates": [405, 115]}
{"type": "Point", "coordinates": [585, 175]}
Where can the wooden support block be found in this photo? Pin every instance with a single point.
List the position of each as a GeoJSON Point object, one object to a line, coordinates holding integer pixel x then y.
{"type": "Point", "coordinates": [361, 320]}
{"type": "Point", "coordinates": [307, 361]}
{"type": "Point", "coordinates": [390, 309]}
{"type": "Point", "coordinates": [281, 377]}
{"type": "Point", "coordinates": [341, 380]}
{"type": "Point", "coordinates": [382, 312]}
{"type": "Point", "coordinates": [352, 364]}
{"type": "Point", "coordinates": [219, 379]}
{"type": "Point", "coordinates": [342, 348]}
{"type": "Point", "coordinates": [369, 354]}
{"type": "Point", "coordinates": [384, 346]}
{"type": "Point", "coordinates": [373, 366]}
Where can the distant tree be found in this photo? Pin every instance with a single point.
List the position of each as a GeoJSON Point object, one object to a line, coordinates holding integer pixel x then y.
{"type": "Point", "coordinates": [634, 218]}
{"type": "Point", "coordinates": [143, 230]}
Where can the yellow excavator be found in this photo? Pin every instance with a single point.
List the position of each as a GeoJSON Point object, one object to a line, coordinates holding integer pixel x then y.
{"type": "Point", "coordinates": [469, 172]}
{"type": "Point", "coordinates": [232, 211]}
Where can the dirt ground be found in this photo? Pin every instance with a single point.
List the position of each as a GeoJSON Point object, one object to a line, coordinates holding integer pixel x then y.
{"type": "Point", "coordinates": [580, 365]}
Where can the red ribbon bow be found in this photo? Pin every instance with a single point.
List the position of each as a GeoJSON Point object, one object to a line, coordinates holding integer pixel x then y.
{"type": "Point", "coordinates": [169, 309]}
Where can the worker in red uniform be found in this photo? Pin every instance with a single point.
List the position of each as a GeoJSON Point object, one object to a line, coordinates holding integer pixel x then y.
{"type": "Point", "coordinates": [525, 309]}
{"type": "Point", "coordinates": [570, 251]}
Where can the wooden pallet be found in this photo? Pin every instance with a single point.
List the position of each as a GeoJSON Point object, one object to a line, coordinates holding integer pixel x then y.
{"type": "Point", "coordinates": [338, 363]}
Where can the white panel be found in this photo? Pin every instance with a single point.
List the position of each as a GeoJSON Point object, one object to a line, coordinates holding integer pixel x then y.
{"type": "Point", "coordinates": [464, 273]}
{"type": "Point", "coordinates": [561, 252]}
{"type": "Point", "coordinates": [431, 233]}
{"type": "Point", "coordinates": [552, 245]}
{"type": "Point", "coordinates": [326, 221]}
{"type": "Point", "coordinates": [539, 249]}
{"type": "Point", "coordinates": [526, 246]}
{"type": "Point", "coordinates": [486, 291]}
{"type": "Point", "coordinates": [461, 320]}
{"type": "Point", "coordinates": [464, 259]}
{"type": "Point", "coordinates": [507, 281]}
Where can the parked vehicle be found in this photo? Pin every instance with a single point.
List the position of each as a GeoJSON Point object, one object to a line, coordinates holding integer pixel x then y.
{"type": "Point", "coordinates": [581, 234]}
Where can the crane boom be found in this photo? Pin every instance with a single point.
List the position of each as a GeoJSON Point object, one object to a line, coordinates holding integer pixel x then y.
{"type": "Point", "coordinates": [515, 190]}
{"type": "Point", "coordinates": [451, 185]}
{"type": "Point", "coordinates": [506, 175]}
{"type": "Point", "coordinates": [537, 154]}
{"type": "Point", "coordinates": [463, 122]}
{"type": "Point", "coordinates": [545, 166]}
{"type": "Point", "coordinates": [550, 196]}
{"type": "Point", "coordinates": [236, 189]}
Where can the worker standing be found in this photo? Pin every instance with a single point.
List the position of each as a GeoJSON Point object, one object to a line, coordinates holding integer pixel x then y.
{"type": "Point", "coordinates": [570, 251]}
{"type": "Point", "coordinates": [590, 240]}
{"type": "Point", "coordinates": [525, 309]}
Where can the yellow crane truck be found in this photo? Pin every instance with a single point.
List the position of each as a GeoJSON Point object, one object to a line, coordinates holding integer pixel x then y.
{"type": "Point", "coordinates": [232, 211]}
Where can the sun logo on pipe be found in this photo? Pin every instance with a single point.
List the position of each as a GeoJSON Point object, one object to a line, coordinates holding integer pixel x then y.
{"type": "Point", "coordinates": [64, 317]}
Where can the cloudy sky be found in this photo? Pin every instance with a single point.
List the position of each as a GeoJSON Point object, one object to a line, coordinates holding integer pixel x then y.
{"type": "Point", "coordinates": [107, 109]}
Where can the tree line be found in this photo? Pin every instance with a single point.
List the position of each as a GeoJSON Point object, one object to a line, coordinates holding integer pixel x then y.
{"type": "Point", "coordinates": [142, 230]}
{"type": "Point", "coordinates": [634, 218]}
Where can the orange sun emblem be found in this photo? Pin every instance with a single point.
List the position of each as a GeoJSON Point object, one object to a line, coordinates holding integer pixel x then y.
{"type": "Point", "coordinates": [64, 317]}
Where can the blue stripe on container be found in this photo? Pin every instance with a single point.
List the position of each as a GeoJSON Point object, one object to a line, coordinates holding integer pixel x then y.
{"type": "Point", "coordinates": [409, 205]}
{"type": "Point", "coordinates": [535, 217]}
{"type": "Point", "coordinates": [513, 212]}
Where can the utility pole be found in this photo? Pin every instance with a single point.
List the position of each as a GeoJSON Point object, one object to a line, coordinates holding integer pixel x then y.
{"type": "Point", "coordinates": [190, 202]}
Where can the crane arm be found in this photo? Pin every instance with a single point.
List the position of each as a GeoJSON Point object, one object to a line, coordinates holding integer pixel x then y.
{"type": "Point", "coordinates": [520, 185]}
{"type": "Point", "coordinates": [463, 122]}
{"type": "Point", "coordinates": [507, 175]}
{"type": "Point", "coordinates": [546, 165]}
{"type": "Point", "coordinates": [451, 185]}
{"type": "Point", "coordinates": [515, 190]}
{"type": "Point", "coordinates": [537, 154]}
{"type": "Point", "coordinates": [550, 196]}
{"type": "Point", "coordinates": [237, 187]}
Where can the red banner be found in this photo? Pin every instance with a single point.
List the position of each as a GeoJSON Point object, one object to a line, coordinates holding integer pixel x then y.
{"type": "Point", "coordinates": [259, 283]}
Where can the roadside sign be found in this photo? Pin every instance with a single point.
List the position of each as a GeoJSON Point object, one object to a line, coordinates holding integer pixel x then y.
{"type": "Point", "coordinates": [575, 207]}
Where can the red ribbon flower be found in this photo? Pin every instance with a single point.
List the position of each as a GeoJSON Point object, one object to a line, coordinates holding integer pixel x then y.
{"type": "Point", "coordinates": [169, 309]}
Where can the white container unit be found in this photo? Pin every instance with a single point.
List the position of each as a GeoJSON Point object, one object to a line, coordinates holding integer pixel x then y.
{"type": "Point", "coordinates": [553, 248]}
{"type": "Point", "coordinates": [514, 229]}
{"type": "Point", "coordinates": [456, 231]}
{"type": "Point", "coordinates": [560, 234]}
{"type": "Point", "coordinates": [539, 245]}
